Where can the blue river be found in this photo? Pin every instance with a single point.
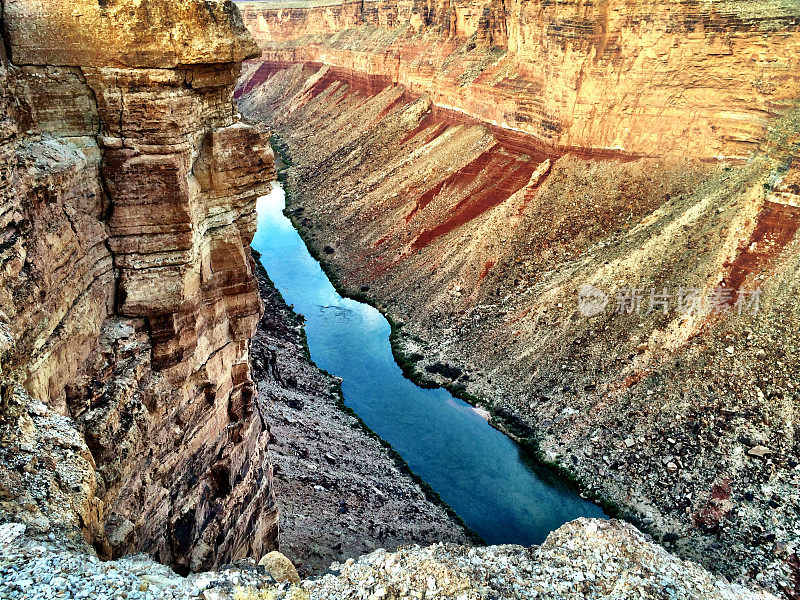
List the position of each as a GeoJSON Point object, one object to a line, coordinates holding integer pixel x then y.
{"type": "Point", "coordinates": [491, 483]}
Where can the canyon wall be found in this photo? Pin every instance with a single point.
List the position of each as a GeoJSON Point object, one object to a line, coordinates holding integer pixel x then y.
{"type": "Point", "coordinates": [632, 319]}
{"type": "Point", "coordinates": [701, 79]}
{"type": "Point", "coordinates": [128, 297]}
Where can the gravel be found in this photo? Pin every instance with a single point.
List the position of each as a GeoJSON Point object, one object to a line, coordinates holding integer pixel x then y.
{"type": "Point", "coordinates": [584, 559]}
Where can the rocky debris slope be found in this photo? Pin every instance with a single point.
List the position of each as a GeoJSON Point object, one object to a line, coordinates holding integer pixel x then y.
{"type": "Point", "coordinates": [45, 569]}
{"type": "Point", "coordinates": [128, 298]}
{"type": "Point", "coordinates": [656, 78]}
{"type": "Point", "coordinates": [340, 492]}
{"type": "Point", "coordinates": [584, 559]}
{"type": "Point", "coordinates": [684, 418]}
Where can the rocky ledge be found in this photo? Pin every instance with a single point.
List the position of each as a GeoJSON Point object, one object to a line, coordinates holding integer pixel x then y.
{"type": "Point", "coordinates": [583, 559]}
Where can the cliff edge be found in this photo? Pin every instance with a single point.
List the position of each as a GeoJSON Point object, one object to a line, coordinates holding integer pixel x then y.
{"type": "Point", "coordinates": [586, 559]}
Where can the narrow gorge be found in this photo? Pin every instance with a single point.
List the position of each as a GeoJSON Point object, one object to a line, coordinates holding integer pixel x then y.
{"type": "Point", "coordinates": [526, 190]}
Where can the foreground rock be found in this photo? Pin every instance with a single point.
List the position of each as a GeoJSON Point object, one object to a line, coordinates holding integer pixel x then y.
{"type": "Point", "coordinates": [581, 560]}
{"type": "Point", "coordinates": [39, 570]}
{"type": "Point", "coordinates": [339, 491]}
{"type": "Point", "coordinates": [584, 559]}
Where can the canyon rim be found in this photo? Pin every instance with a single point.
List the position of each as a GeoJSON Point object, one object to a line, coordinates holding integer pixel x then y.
{"type": "Point", "coordinates": [579, 216]}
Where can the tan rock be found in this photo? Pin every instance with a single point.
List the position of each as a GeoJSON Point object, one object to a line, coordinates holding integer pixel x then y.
{"type": "Point", "coordinates": [127, 289]}
{"type": "Point", "coordinates": [613, 75]}
{"type": "Point", "coordinates": [125, 33]}
{"type": "Point", "coordinates": [280, 567]}
{"type": "Point", "coordinates": [759, 451]}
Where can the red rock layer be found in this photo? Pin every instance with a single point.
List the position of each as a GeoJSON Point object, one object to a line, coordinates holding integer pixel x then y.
{"type": "Point", "coordinates": [776, 227]}
{"type": "Point", "coordinates": [128, 293]}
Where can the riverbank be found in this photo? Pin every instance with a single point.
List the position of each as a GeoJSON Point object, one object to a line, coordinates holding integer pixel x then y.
{"type": "Point", "coordinates": [408, 359]}
{"type": "Point", "coordinates": [526, 498]}
{"type": "Point", "coordinates": [341, 491]}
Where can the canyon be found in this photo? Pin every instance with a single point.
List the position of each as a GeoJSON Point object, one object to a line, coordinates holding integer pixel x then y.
{"type": "Point", "coordinates": [488, 174]}
{"type": "Point", "coordinates": [130, 416]}
{"type": "Point", "coordinates": [582, 218]}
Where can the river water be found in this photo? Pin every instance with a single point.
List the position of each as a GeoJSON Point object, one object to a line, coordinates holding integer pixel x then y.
{"type": "Point", "coordinates": [482, 474]}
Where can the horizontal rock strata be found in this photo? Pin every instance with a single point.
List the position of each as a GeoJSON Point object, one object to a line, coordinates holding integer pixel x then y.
{"type": "Point", "coordinates": [655, 78]}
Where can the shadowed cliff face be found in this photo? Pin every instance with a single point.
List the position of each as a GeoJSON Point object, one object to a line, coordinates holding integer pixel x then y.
{"type": "Point", "coordinates": [128, 298]}
{"type": "Point", "coordinates": [656, 78]}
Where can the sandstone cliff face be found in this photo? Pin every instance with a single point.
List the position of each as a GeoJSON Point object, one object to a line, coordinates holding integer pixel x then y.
{"type": "Point", "coordinates": [128, 293]}
{"type": "Point", "coordinates": [653, 78]}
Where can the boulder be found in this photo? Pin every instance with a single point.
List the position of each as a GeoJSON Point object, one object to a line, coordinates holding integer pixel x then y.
{"type": "Point", "coordinates": [280, 567]}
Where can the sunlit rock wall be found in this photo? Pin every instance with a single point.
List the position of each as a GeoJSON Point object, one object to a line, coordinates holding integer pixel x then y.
{"type": "Point", "coordinates": [128, 297]}
{"type": "Point", "coordinates": [654, 78]}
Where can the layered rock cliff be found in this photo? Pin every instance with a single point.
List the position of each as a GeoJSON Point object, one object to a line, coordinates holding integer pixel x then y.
{"type": "Point", "coordinates": [653, 78]}
{"type": "Point", "coordinates": [128, 293]}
